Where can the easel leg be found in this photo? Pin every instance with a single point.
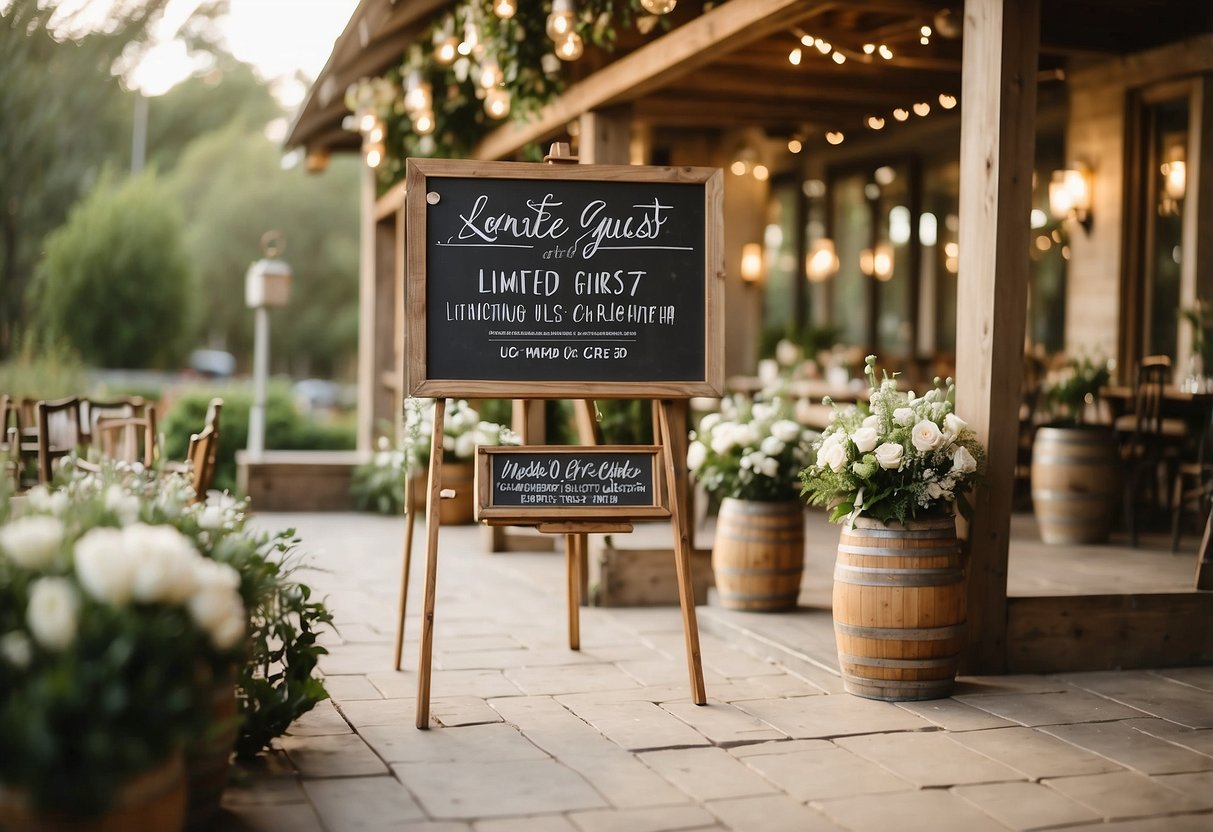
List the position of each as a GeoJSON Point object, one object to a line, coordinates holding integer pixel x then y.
{"type": "Point", "coordinates": [574, 546]}
{"type": "Point", "coordinates": [674, 441]}
{"type": "Point", "coordinates": [410, 517]}
{"type": "Point", "coordinates": [432, 513]}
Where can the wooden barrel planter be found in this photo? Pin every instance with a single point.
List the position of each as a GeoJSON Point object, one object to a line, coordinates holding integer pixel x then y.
{"type": "Point", "coordinates": [758, 555]}
{"type": "Point", "coordinates": [150, 802]}
{"type": "Point", "coordinates": [455, 475]}
{"type": "Point", "coordinates": [899, 608]}
{"type": "Point", "coordinates": [1075, 483]}
{"type": "Point", "coordinates": [208, 759]}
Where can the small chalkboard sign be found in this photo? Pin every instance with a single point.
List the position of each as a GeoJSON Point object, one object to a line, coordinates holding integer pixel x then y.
{"type": "Point", "coordinates": [545, 281]}
{"type": "Point", "coordinates": [563, 482]}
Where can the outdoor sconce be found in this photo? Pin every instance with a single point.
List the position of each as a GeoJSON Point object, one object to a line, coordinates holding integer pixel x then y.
{"type": "Point", "coordinates": [822, 261]}
{"type": "Point", "coordinates": [1174, 182]}
{"type": "Point", "coordinates": [751, 262]}
{"type": "Point", "coordinates": [1070, 196]}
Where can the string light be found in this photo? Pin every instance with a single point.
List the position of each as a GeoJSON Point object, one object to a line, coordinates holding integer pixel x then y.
{"type": "Point", "coordinates": [497, 103]}
{"type": "Point", "coordinates": [924, 35]}
{"type": "Point", "coordinates": [835, 137]}
{"type": "Point", "coordinates": [947, 101]}
{"type": "Point", "coordinates": [922, 108]}
{"type": "Point", "coordinates": [885, 52]}
{"type": "Point", "coordinates": [869, 48]}
{"type": "Point", "coordinates": [659, 6]}
{"type": "Point", "coordinates": [504, 9]}
{"type": "Point", "coordinates": [490, 73]}
{"type": "Point", "coordinates": [446, 45]}
{"type": "Point", "coordinates": [875, 122]}
{"type": "Point", "coordinates": [571, 48]}
{"type": "Point", "coordinates": [560, 21]}
{"type": "Point", "coordinates": [795, 145]}
{"type": "Point", "coordinates": [901, 114]}
{"type": "Point", "coordinates": [839, 58]}
{"type": "Point", "coordinates": [794, 56]}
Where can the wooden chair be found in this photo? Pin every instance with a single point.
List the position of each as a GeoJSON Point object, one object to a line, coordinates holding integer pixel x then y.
{"type": "Point", "coordinates": [1193, 484]}
{"type": "Point", "coordinates": [202, 452]}
{"type": "Point", "coordinates": [1149, 444]}
{"type": "Point", "coordinates": [60, 432]}
{"type": "Point", "coordinates": [128, 438]}
{"type": "Point", "coordinates": [120, 407]}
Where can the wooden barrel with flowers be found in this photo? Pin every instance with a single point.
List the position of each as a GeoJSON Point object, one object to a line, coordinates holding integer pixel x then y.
{"type": "Point", "coordinates": [758, 555]}
{"type": "Point", "coordinates": [153, 801]}
{"type": "Point", "coordinates": [899, 608]}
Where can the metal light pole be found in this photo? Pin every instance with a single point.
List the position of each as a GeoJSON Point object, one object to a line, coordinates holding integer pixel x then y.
{"type": "Point", "coordinates": [266, 283]}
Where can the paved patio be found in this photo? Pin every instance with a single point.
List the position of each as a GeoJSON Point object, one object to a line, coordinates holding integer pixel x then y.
{"type": "Point", "coordinates": [529, 736]}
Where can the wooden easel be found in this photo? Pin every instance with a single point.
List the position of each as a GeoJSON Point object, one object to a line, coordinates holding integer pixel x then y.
{"type": "Point", "coordinates": [674, 445]}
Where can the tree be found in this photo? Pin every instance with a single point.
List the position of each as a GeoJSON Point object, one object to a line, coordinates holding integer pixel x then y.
{"type": "Point", "coordinates": [234, 189]}
{"type": "Point", "coordinates": [63, 116]}
{"type": "Point", "coordinates": [115, 281]}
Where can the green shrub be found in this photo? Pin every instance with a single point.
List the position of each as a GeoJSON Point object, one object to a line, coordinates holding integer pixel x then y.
{"type": "Point", "coordinates": [51, 372]}
{"type": "Point", "coordinates": [285, 427]}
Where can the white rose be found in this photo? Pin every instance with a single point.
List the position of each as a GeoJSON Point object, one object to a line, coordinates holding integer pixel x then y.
{"type": "Point", "coordinates": [871, 421]}
{"type": "Point", "coordinates": [32, 542]}
{"type": "Point", "coordinates": [210, 517]}
{"type": "Point", "coordinates": [927, 436]}
{"type": "Point", "coordinates": [104, 566]}
{"type": "Point", "coordinates": [53, 609]}
{"type": "Point", "coordinates": [888, 455]}
{"type": "Point", "coordinates": [903, 416]}
{"type": "Point", "coordinates": [865, 439]}
{"type": "Point", "coordinates": [708, 422]}
{"type": "Point", "coordinates": [953, 425]}
{"type": "Point", "coordinates": [16, 649]}
{"type": "Point", "coordinates": [772, 446]}
{"type": "Point", "coordinates": [832, 456]}
{"type": "Point", "coordinates": [218, 611]}
{"type": "Point", "coordinates": [787, 353]}
{"type": "Point", "coordinates": [963, 461]}
{"type": "Point", "coordinates": [125, 506]}
{"type": "Point", "coordinates": [762, 411]}
{"type": "Point", "coordinates": [746, 435]}
{"type": "Point", "coordinates": [697, 454]}
{"type": "Point", "coordinates": [723, 438]}
{"type": "Point", "coordinates": [785, 430]}
{"type": "Point", "coordinates": [769, 467]}
{"type": "Point", "coordinates": [209, 572]}
{"type": "Point", "coordinates": [164, 563]}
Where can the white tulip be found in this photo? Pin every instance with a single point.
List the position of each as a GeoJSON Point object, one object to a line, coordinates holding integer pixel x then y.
{"type": "Point", "coordinates": [32, 542]}
{"type": "Point", "coordinates": [54, 606]}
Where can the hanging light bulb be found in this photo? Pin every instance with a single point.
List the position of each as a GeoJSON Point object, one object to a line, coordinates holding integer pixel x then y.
{"type": "Point", "coordinates": [423, 123]}
{"type": "Point", "coordinates": [659, 6]}
{"type": "Point", "coordinates": [947, 101]}
{"type": "Point", "coordinates": [561, 20]}
{"type": "Point", "coordinates": [835, 137]}
{"type": "Point", "coordinates": [885, 52]}
{"type": "Point", "coordinates": [490, 73]}
{"type": "Point", "coordinates": [497, 103]}
{"type": "Point", "coordinates": [794, 56]}
{"type": "Point", "coordinates": [839, 58]}
{"type": "Point", "coordinates": [471, 36]}
{"type": "Point", "coordinates": [504, 9]}
{"type": "Point", "coordinates": [420, 95]}
{"type": "Point", "coordinates": [875, 122]}
{"type": "Point", "coordinates": [446, 45]}
{"type": "Point", "coordinates": [570, 48]}
{"type": "Point", "coordinates": [901, 114]}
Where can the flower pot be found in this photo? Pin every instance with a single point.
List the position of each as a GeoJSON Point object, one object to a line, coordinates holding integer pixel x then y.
{"type": "Point", "coordinates": [208, 759]}
{"type": "Point", "coordinates": [153, 801]}
{"type": "Point", "coordinates": [899, 608]}
{"type": "Point", "coordinates": [1075, 483]}
{"type": "Point", "coordinates": [457, 475]}
{"type": "Point", "coordinates": [758, 555]}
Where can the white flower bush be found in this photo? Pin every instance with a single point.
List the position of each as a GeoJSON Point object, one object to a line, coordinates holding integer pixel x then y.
{"type": "Point", "coordinates": [899, 457]}
{"type": "Point", "coordinates": [749, 451]}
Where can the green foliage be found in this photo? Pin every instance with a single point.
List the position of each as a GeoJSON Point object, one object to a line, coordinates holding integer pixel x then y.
{"type": "Point", "coordinates": [53, 372]}
{"type": "Point", "coordinates": [812, 340]}
{"type": "Point", "coordinates": [625, 421]}
{"type": "Point", "coordinates": [65, 117]}
{"type": "Point", "coordinates": [285, 427]}
{"type": "Point", "coordinates": [115, 280]}
{"type": "Point", "coordinates": [378, 485]}
{"type": "Point", "coordinates": [234, 189]}
{"type": "Point", "coordinates": [896, 457]}
{"type": "Point", "coordinates": [277, 684]}
{"type": "Point", "coordinates": [1075, 386]}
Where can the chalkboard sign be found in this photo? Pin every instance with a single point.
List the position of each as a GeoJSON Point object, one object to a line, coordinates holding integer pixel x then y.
{"type": "Point", "coordinates": [551, 482]}
{"type": "Point", "coordinates": [563, 281]}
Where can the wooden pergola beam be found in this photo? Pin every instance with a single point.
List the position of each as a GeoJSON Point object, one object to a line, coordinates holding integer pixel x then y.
{"type": "Point", "coordinates": [654, 65]}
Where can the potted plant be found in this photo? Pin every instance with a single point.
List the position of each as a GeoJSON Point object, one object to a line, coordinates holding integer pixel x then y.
{"type": "Point", "coordinates": [1075, 472]}
{"type": "Point", "coordinates": [462, 431]}
{"type": "Point", "coordinates": [894, 472]}
{"type": "Point", "coordinates": [747, 456]}
{"type": "Point", "coordinates": [110, 627]}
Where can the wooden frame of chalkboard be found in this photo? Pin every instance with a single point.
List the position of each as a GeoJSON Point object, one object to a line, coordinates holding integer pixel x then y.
{"type": "Point", "coordinates": [532, 281]}
{"type": "Point", "coordinates": [537, 483]}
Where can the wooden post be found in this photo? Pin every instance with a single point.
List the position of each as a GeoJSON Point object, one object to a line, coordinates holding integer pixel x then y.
{"type": "Point", "coordinates": [409, 521]}
{"type": "Point", "coordinates": [998, 89]}
{"type": "Point", "coordinates": [674, 442]}
{"type": "Point", "coordinates": [433, 512]}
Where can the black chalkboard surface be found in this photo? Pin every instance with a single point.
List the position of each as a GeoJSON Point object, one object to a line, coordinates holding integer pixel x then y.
{"type": "Point", "coordinates": [527, 276]}
{"type": "Point", "coordinates": [553, 481]}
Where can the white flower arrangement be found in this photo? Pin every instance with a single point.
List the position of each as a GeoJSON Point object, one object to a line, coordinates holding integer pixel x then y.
{"type": "Point", "coordinates": [749, 450]}
{"type": "Point", "coordinates": [897, 458]}
{"type": "Point", "coordinates": [462, 431]}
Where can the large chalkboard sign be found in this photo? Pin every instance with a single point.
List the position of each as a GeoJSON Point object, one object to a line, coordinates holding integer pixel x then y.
{"type": "Point", "coordinates": [563, 281]}
{"type": "Point", "coordinates": [550, 482]}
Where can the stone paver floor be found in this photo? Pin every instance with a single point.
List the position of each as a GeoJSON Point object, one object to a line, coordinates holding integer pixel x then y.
{"type": "Point", "coordinates": [528, 736]}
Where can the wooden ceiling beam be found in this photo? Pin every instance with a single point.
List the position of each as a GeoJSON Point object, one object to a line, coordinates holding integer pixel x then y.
{"type": "Point", "coordinates": [693, 45]}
